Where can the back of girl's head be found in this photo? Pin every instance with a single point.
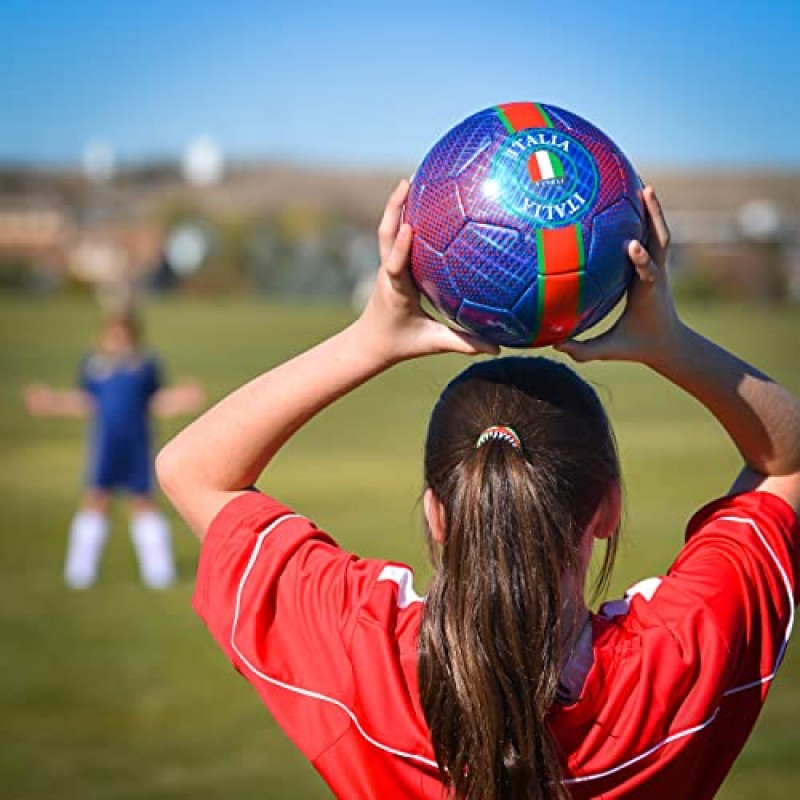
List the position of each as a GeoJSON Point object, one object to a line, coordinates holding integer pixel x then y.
{"type": "Point", "coordinates": [515, 518]}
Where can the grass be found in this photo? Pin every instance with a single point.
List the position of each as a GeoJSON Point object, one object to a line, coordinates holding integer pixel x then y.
{"type": "Point", "coordinates": [118, 692]}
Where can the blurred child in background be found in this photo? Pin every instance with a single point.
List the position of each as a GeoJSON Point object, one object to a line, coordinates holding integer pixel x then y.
{"type": "Point", "coordinates": [120, 386]}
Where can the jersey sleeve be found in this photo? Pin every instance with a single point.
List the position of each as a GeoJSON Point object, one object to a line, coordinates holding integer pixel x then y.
{"type": "Point", "coordinates": [154, 376]}
{"type": "Point", "coordinates": [734, 587]}
{"type": "Point", "coordinates": [281, 599]}
{"type": "Point", "coordinates": [84, 377]}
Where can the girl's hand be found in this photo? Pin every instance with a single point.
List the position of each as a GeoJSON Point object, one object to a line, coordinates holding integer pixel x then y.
{"type": "Point", "coordinates": [38, 400]}
{"type": "Point", "coordinates": [42, 400]}
{"type": "Point", "coordinates": [183, 398]}
{"type": "Point", "coordinates": [393, 321]}
{"type": "Point", "coordinates": [650, 322]}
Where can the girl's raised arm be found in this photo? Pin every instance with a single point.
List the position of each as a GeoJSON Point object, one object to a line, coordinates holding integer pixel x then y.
{"type": "Point", "coordinates": [761, 417]}
{"type": "Point", "coordinates": [223, 452]}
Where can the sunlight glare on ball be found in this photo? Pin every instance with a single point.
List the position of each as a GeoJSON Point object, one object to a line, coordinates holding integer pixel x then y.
{"type": "Point", "coordinates": [491, 188]}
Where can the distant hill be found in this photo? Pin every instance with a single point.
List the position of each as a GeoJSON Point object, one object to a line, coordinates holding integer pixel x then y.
{"type": "Point", "coordinates": [260, 189]}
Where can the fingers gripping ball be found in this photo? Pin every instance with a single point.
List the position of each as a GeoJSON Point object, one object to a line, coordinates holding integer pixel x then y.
{"type": "Point", "coordinates": [522, 214]}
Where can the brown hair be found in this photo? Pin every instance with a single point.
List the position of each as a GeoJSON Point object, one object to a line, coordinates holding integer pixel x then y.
{"type": "Point", "coordinates": [127, 319]}
{"type": "Point", "coordinates": [490, 648]}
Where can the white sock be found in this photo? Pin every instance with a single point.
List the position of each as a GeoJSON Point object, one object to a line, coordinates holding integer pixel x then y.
{"type": "Point", "coordinates": [153, 543]}
{"type": "Point", "coordinates": [87, 537]}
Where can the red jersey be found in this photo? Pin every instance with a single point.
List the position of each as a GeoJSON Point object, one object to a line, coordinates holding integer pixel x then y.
{"type": "Point", "coordinates": [681, 666]}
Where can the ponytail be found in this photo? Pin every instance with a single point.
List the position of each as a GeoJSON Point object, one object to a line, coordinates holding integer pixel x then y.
{"type": "Point", "coordinates": [490, 652]}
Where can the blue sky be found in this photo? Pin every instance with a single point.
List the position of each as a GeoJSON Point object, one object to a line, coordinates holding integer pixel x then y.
{"type": "Point", "coordinates": [675, 83]}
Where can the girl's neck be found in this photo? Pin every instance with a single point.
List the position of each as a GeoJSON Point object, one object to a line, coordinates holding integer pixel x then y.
{"type": "Point", "coordinates": [576, 644]}
{"type": "Point", "coordinates": [574, 618]}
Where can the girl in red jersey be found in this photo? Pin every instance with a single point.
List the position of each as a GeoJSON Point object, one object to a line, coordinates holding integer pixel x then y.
{"type": "Point", "coordinates": [501, 684]}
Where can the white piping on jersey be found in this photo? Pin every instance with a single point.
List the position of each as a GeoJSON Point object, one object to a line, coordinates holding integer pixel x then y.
{"type": "Point", "coordinates": [646, 588]}
{"type": "Point", "coordinates": [414, 757]}
{"type": "Point", "coordinates": [619, 608]}
{"type": "Point", "coordinates": [788, 586]}
{"type": "Point", "coordinates": [689, 731]}
{"type": "Point", "coordinates": [296, 689]}
{"type": "Point", "coordinates": [674, 737]}
{"type": "Point", "coordinates": [404, 579]}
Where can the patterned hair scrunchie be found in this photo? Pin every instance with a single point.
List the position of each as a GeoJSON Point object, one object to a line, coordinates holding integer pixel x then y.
{"type": "Point", "coordinates": [502, 432]}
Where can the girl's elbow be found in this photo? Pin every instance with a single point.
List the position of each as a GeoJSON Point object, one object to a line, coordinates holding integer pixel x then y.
{"type": "Point", "coordinates": [170, 472]}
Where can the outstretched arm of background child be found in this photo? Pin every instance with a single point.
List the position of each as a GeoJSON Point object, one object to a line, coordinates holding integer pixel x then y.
{"type": "Point", "coordinates": [223, 452]}
{"type": "Point", "coordinates": [175, 401]}
{"type": "Point", "coordinates": [42, 400]}
{"type": "Point", "coordinates": [761, 417]}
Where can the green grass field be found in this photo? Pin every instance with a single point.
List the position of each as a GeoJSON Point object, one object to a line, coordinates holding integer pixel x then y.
{"type": "Point", "coordinates": [118, 692]}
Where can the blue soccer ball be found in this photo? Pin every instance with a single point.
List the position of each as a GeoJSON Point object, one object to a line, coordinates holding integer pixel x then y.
{"type": "Point", "coordinates": [522, 215]}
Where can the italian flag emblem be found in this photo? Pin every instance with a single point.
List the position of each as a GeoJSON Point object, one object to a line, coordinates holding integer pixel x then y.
{"type": "Point", "coordinates": [544, 165]}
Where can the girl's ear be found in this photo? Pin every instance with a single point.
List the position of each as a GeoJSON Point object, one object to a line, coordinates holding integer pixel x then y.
{"type": "Point", "coordinates": [606, 519]}
{"type": "Point", "coordinates": [434, 515]}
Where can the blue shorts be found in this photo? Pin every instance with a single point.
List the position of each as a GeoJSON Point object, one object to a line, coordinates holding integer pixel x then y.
{"type": "Point", "coordinates": [124, 464]}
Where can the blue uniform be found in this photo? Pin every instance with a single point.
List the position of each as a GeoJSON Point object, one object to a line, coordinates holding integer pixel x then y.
{"type": "Point", "coordinates": [120, 441]}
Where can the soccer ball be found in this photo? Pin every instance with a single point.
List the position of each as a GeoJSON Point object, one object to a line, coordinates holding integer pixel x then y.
{"type": "Point", "coordinates": [521, 215]}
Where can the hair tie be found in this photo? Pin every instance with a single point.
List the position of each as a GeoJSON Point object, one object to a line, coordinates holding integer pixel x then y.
{"type": "Point", "coordinates": [502, 432]}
